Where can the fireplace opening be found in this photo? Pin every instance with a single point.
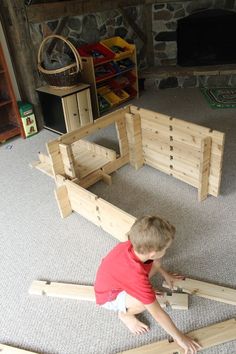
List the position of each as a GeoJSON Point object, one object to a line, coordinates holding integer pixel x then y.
{"type": "Point", "coordinates": [207, 38]}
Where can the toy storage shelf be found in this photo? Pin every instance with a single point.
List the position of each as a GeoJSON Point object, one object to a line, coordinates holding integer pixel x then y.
{"type": "Point", "coordinates": [113, 80]}
{"type": "Point", "coordinates": [10, 121]}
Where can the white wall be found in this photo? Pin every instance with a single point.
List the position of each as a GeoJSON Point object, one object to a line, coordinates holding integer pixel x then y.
{"type": "Point", "coordinates": [9, 63]}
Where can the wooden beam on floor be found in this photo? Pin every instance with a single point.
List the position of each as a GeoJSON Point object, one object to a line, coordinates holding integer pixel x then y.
{"type": "Point", "coordinates": [204, 168]}
{"type": "Point", "coordinates": [7, 349]}
{"type": "Point", "coordinates": [86, 292]}
{"type": "Point", "coordinates": [206, 290]}
{"type": "Point", "coordinates": [134, 134]}
{"type": "Point", "coordinates": [63, 201]}
{"type": "Point", "coordinates": [207, 337]}
{"type": "Point", "coordinates": [68, 160]}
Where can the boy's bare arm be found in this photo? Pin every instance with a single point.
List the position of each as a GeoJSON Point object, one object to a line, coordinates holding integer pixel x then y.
{"type": "Point", "coordinates": [189, 345]}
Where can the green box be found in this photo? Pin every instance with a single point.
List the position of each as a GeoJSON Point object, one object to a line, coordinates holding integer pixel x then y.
{"type": "Point", "coordinates": [28, 118]}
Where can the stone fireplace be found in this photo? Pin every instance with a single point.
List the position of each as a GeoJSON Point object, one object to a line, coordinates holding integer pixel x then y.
{"type": "Point", "coordinates": [207, 38]}
{"type": "Point", "coordinates": [194, 43]}
{"type": "Point", "coordinates": [169, 20]}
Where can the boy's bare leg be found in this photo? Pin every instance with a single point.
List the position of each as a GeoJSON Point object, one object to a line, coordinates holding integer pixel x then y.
{"type": "Point", "coordinates": [129, 319]}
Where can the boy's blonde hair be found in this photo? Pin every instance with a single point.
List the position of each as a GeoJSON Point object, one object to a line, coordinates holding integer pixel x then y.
{"type": "Point", "coordinates": [151, 233]}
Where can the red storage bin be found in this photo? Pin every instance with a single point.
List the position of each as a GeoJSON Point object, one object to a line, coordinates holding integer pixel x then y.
{"type": "Point", "coordinates": [99, 52]}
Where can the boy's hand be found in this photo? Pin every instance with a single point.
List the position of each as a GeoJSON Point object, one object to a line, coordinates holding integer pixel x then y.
{"type": "Point", "coordinates": [188, 344]}
{"type": "Point", "coordinates": [170, 278]}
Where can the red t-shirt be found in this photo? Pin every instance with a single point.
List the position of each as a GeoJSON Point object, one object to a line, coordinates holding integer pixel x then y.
{"type": "Point", "coordinates": [122, 270]}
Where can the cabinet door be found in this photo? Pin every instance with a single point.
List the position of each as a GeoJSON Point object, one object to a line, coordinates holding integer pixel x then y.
{"type": "Point", "coordinates": [71, 112]}
{"type": "Point", "coordinates": [84, 105]}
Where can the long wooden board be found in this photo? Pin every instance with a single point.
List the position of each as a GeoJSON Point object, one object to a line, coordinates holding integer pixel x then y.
{"type": "Point", "coordinates": [86, 292]}
{"type": "Point", "coordinates": [206, 290]}
{"type": "Point", "coordinates": [7, 349]}
{"type": "Point", "coordinates": [207, 337]}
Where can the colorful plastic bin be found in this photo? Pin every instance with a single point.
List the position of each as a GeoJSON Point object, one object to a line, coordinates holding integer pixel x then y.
{"type": "Point", "coordinates": [99, 52]}
{"type": "Point", "coordinates": [119, 47]}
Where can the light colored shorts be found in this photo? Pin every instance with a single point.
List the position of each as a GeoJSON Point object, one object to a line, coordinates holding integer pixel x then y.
{"type": "Point", "coordinates": [118, 304]}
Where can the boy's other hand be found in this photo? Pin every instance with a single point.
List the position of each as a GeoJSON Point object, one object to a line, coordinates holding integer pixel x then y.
{"type": "Point", "coordinates": [188, 344]}
{"type": "Point", "coordinates": [170, 278]}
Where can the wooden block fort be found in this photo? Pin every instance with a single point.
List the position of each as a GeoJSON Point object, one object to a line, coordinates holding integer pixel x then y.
{"type": "Point", "coordinates": [184, 150]}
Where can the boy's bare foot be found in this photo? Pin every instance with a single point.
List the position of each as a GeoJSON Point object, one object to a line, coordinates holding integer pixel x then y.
{"type": "Point", "coordinates": [133, 324]}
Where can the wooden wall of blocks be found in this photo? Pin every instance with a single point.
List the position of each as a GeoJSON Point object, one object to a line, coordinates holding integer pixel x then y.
{"type": "Point", "coordinates": [187, 151]}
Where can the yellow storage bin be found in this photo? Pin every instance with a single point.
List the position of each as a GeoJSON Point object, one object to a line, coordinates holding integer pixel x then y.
{"type": "Point", "coordinates": [123, 96]}
{"type": "Point", "coordinates": [119, 47]}
{"type": "Point", "coordinates": [109, 95]}
{"type": "Point", "coordinates": [113, 97]}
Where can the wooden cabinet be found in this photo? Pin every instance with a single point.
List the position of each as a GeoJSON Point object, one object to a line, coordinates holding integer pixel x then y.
{"type": "Point", "coordinates": [113, 81]}
{"type": "Point", "coordinates": [10, 121]}
{"type": "Point", "coordinates": [65, 110]}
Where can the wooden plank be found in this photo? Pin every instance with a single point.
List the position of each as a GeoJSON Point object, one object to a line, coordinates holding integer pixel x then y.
{"type": "Point", "coordinates": [94, 148]}
{"type": "Point", "coordinates": [62, 290]}
{"type": "Point", "coordinates": [72, 137]}
{"type": "Point", "coordinates": [207, 337]}
{"type": "Point", "coordinates": [56, 159]}
{"type": "Point", "coordinates": [90, 179]}
{"type": "Point", "coordinates": [115, 165]}
{"type": "Point", "coordinates": [63, 201]}
{"type": "Point", "coordinates": [180, 124]}
{"type": "Point", "coordinates": [102, 213]}
{"type": "Point", "coordinates": [178, 135]}
{"type": "Point", "coordinates": [114, 220]}
{"type": "Point", "coordinates": [134, 134]}
{"type": "Point", "coordinates": [86, 293]}
{"type": "Point", "coordinates": [106, 178]}
{"type": "Point", "coordinates": [44, 165]}
{"type": "Point", "coordinates": [68, 160]}
{"type": "Point", "coordinates": [204, 169]}
{"type": "Point", "coordinates": [7, 349]}
{"type": "Point", "coordinates": [147, 23]}
{"type": "Point", "coordinates": [162, 129]}
{"type": "Point", "coordinates": [122, 136]}
{"type": "Point", "coordinates": [163, 168]}
{"type": "Point", "coordinates": [172, 153]}
{"type": "Point", "coordinates": [206, 290]}
{"type": "Point", "coordinates": [180, 166]}
{"type": "Point", "coordinates": [83, 201]}
{"type": "Point", "coordinates": [37, 13]}
{"type": "Point", "coordinates": [92, 128]}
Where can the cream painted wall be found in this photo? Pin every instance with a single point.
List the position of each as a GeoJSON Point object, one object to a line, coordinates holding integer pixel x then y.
{"type": "Point", "coordinates": [9, 63]}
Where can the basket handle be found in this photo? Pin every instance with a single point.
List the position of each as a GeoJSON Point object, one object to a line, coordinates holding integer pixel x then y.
{"type": "Point", "coordinates": [73, 49]}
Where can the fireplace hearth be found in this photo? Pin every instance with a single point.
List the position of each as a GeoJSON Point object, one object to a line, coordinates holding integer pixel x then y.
{"type": "Point", "coordinates": [207, 38]}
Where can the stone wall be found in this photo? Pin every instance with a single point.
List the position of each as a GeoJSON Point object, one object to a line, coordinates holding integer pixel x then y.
{"type": "Point", "coordinates": [91, 28]}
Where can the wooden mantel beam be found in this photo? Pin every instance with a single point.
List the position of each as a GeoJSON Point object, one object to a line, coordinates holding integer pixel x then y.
{"type": "Point", "coordinates": [38, 13]}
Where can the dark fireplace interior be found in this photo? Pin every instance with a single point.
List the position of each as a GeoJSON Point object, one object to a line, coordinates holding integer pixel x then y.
{"type": "Point", "coordinates": [207, 38]}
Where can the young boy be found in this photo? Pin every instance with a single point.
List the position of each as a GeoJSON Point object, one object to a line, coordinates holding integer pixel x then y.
{"type": "Point", "coordinates": [122, 281]}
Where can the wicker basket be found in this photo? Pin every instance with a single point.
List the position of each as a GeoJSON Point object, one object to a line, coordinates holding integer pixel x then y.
{"type": "Point", "coordinates": [65, 77]}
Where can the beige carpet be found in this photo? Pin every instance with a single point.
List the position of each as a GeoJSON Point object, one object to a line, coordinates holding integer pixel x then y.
{"type": "Point", "coordinates": [35, 243]}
